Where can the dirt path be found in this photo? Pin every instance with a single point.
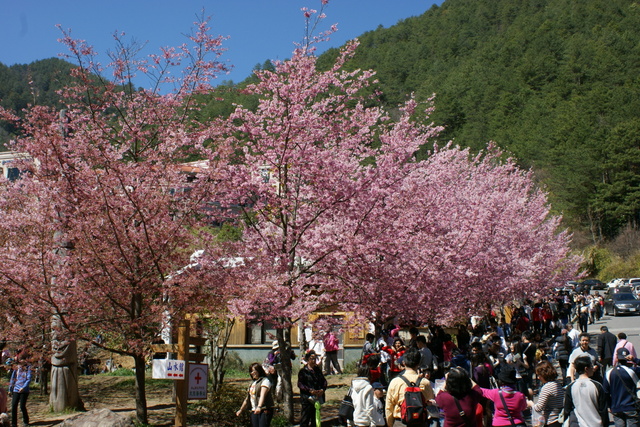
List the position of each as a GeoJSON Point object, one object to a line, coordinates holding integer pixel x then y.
{"type": "Point", "coordinates": [112, 392]}
{"type": "Point", "coordinates": [117, 394]}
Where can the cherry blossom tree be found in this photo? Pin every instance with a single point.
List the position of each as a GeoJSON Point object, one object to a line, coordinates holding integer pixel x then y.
{"type": "Point", "coordinates": [103, 215]}
{"type": "Point", "coordinates": [338, 213]}
{"type": "Point", "coordinates": [465, 233]}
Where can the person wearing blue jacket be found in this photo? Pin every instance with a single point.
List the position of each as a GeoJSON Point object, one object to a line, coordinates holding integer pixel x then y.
{"type": "Point", "coordinates": [19, 387]}
{"type": "Point", "coordinates": [621, 385]}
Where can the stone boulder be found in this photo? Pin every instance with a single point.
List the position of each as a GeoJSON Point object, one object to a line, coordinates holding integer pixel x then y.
{"type": "Point", "coordinates": [98, 418]}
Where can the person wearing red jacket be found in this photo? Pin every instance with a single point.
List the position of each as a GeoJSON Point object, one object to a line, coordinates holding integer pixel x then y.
{"type": "Point", "coordinates": [395, 352]}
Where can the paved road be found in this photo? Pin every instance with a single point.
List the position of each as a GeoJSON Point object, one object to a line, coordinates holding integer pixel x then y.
{"type": "Point", "coordinates": [629, 324]}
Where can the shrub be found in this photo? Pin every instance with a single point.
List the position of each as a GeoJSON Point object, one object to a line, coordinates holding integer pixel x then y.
{"type": "Point", "coordinates": [280, 421]}
{"type": "Point", "coordinates": [221, 409]}
{"type": "Point", "coordinates": [621, 267]}
{"type": "Point", "coordinates": [351, 368]}
{"type": "Point", "coordinates": [233, 362]}
{"type": "Point", "coordinates": [596, 259]}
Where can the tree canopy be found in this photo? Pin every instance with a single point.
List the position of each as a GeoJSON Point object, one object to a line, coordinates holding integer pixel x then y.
{"type": "Point", "coordinates": [552, 82]}
{"type": "Point", "coordinates": [103, 216]}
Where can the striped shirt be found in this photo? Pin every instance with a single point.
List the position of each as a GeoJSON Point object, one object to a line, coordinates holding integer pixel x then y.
{"type": "Point", "coordinates": [550, 401]}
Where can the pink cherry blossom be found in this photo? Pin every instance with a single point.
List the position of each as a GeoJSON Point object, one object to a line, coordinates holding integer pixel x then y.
{"type": "Point", "coordinates": [103, 216]}
{"type": "Point", "coordinates": [341, 216]}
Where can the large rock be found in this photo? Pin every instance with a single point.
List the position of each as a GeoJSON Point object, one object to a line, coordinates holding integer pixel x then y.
{"type": "Point", "coordinates": [98, 418]}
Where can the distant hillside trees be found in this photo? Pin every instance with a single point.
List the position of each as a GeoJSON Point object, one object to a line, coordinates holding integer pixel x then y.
{"type": "Point", "coordinates": [555, 82]}
{"type": "Point", "coordinates": [35, 84]}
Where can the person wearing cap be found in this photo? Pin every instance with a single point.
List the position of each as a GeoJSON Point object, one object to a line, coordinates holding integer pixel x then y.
{"type": "Point", "coordinates": [621, 386]}
{"type": "Point", "coordinates": [622, 342]}
{"type": "Point", "coordinates": [585, 402]}
{"type": "Point", "coordinates": [273, 358]}
{"type": "Point", "coordinates": [273, 368]}
{"type": "Point", "coordinates": [508, 403]}
{"type": "Point", "coordinates": [378, 405]}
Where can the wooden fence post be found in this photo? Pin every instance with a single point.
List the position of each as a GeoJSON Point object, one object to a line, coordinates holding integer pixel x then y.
{"type": "Point", "coordinates": [182, 386]}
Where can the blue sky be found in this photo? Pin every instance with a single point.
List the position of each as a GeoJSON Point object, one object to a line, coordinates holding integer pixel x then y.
{"type": "Point", "coordinates": [258, 29]}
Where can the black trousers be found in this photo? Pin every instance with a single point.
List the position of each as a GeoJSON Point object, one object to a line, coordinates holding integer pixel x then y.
{"type": "Point", "coordinates": [19, 398]}
{"type": "Point", "coordinates": [307, 413]}
{"type": "Point", "coordinates": [263, 419]}
{"type": "Point", "coordinates": [331, 358]}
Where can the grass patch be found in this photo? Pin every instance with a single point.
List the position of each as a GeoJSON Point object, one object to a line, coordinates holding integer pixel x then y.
{"type": "Point", "coordinates": [236, 374]}
{"type": "Point", "coordinates": [124, 384]}
{"type": "Point", "coordinates": [65, 411]}
{"type": "Point", "coordinates": [156, 384]}
{"type": "Point", "coordinates": [120, 372]}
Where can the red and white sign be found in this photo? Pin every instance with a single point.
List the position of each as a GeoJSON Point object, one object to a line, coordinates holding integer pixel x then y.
{"type": "Point", "coordinates": [198, 380]}
{"type": "Point", "coordinates": [168, 369]}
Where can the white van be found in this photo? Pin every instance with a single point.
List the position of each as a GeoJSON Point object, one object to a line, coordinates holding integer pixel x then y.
{"type": "Point", "coordinates": [614, 283]}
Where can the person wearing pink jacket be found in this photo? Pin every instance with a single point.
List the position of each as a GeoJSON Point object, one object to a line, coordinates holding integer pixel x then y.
{"type": "Point", "coordinates": [331, 347]}
{"type": "Point", "coordinates": [623, 343]}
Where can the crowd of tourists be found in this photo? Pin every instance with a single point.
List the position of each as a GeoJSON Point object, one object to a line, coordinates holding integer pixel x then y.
{"type": "Point", "coordinates": [535, 367]}
{"type": "Point", "coordinates": [534, 364]}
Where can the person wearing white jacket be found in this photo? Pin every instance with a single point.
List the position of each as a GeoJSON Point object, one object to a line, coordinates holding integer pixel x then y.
{"type": "Point", "coordinates": [362, 395]}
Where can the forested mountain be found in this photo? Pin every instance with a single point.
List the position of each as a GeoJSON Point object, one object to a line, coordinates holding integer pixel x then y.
{"type": "Point", "coordinates": [554, 82]}
{"type": "Point", "coordinates": [35, 83]}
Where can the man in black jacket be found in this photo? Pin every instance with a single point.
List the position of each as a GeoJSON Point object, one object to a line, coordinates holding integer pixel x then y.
{"type": "Point", "coordinates": [606, 344]}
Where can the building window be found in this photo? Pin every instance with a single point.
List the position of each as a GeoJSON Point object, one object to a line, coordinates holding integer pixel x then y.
{"type": "Point", "coordinates": [13, 174]}
{"type": "Point", "coordinates": [260, 333]}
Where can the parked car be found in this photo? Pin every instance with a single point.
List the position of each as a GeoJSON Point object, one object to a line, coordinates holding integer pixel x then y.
{"type": "Point", "coordinates": [594, 284]}
{"type": "Point", "coordinates": [608, 295]}
{"type": "Point", "coordinates": [615, 282]}
{"type": "Point", "coordinates": [621, 302]}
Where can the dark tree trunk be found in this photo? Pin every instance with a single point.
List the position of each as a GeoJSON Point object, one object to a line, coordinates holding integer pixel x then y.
{"type": "Point", "coordinates": [141, 395]}
{"type": "Point", "coordinates": [284, 340]}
